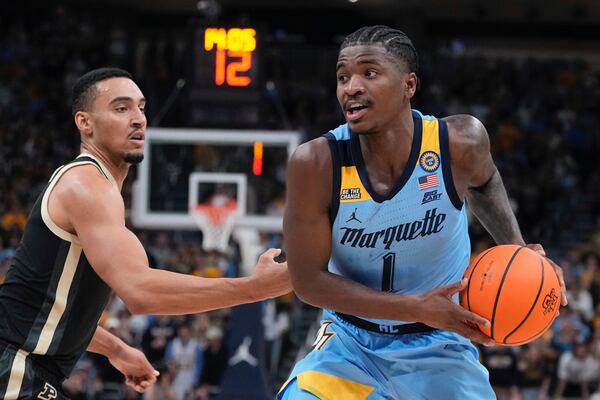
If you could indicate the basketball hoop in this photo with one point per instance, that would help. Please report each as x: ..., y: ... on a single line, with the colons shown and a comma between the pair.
x: 216, y: 219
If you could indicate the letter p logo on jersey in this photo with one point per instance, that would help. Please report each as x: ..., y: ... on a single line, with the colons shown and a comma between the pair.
x: 48, y: 393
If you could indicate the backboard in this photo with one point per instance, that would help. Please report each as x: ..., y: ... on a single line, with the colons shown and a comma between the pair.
x: 162, y: 194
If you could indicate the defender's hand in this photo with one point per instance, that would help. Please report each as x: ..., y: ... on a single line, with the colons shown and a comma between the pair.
x: 436, y: 309
x: 271, y: 278
x: 540, y: 250
x: 138, y: 371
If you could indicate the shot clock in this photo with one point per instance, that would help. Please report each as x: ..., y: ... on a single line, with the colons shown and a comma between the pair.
x: 233, y: 54
x: 227, y: 57
x: 225, y: 88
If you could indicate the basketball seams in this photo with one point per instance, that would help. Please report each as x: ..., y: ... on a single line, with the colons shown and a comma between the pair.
x: 543, y: 329
x: 533, y: 304
x: 480, y: 257
x: 537, y: 335
x: 499, y: 291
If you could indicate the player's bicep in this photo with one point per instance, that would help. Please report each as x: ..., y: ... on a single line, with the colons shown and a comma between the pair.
x: 306, y: 223
x: 113, y: 251
x: 482, y: 164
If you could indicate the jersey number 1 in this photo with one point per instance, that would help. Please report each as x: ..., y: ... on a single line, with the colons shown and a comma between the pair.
x: 387, y: 279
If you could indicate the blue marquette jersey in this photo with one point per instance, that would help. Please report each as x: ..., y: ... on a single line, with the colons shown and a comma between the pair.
x: 410, y: 241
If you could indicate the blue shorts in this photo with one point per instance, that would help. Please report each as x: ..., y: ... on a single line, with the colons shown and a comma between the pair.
x: 351, y: 363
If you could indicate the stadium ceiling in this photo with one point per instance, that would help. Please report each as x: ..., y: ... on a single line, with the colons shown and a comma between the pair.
x: 577, y: 11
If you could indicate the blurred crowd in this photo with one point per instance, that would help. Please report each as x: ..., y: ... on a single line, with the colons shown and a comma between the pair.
x: 544, y: 124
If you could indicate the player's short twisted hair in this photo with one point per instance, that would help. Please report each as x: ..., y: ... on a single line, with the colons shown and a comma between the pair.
x: 394, y: 41
x: 84, y: 90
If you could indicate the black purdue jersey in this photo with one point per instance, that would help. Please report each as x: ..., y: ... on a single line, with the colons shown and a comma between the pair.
x: 51, y: 299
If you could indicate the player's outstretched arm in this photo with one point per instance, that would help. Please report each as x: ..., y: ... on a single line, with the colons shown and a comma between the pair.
x: 307, y: 233
x: 478, y: 179
x: 95, y: 211
x: 139, y: 373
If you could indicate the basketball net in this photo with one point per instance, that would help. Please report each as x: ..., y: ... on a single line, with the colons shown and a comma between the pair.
x: 216, y: 219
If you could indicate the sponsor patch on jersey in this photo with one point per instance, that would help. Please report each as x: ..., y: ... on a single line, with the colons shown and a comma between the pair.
x: 431, y: 196
x: 350, y: 194
x: 430, y: 161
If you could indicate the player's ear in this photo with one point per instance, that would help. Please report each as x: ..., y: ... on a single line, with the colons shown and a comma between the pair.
x: 411, y: 85
x: 83, y: 122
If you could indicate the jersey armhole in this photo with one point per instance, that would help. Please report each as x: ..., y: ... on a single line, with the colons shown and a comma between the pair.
x: 45, y: 212
x: 336, y: 176
x: 447, y: 166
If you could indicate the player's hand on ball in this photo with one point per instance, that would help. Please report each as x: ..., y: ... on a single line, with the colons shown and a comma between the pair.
x: 271, y: 278
x: 437, y: 310
x: 540, y: 250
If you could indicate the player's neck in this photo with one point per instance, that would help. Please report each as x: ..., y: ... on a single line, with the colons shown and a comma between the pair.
x: 118, y: 169
x: 391, y: 143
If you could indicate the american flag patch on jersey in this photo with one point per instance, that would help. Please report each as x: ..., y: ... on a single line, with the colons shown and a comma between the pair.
x: 428, y: 181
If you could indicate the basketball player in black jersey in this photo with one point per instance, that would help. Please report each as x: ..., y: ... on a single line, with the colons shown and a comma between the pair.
x: 76, y: 248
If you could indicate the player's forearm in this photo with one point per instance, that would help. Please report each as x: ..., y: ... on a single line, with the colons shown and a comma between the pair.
x: 331, y: 291
x: 164, y: 292
x: 105, y: 343
x: 491, y: 206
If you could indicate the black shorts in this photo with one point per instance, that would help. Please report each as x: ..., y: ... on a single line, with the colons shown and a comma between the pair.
x: 20, y: 378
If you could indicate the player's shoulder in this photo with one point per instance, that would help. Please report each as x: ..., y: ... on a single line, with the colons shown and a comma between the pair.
x: 85, y: 184
x: 312, y: 153
x: 465, y: 130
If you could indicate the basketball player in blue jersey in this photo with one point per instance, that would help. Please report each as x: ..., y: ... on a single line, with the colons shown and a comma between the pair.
x: 376, y: 234
x: 76, y: 248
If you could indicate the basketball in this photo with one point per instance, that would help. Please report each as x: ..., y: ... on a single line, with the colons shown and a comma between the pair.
x: 514, y: 288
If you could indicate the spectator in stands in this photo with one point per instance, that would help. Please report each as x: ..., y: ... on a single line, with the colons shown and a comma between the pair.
x: 276, y: 321
x: 535, y: 369
x: 163, y: 390
x: 568, y: 329
x: 77, y: 384
x: 184, y: 355
x: 535, y: 103
x: 577, y: 368
x: 215, y: 360
x: 501, y: 363
x: 161, y: 330
x: 580, y: 300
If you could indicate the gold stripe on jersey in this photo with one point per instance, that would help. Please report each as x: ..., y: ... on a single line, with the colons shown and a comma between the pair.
x: 431, y: 137
x: 60, y: 300
x: 331, y: 387
x: 17, y: 373
x: 351, y: 188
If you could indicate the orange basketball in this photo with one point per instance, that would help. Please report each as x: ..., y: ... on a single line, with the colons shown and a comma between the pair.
x: 515, y: 289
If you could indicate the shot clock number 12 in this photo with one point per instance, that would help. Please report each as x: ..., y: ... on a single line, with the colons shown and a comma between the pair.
x: 234, y: 48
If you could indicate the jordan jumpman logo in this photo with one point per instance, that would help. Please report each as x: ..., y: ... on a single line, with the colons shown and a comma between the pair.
x: 353, y: 217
